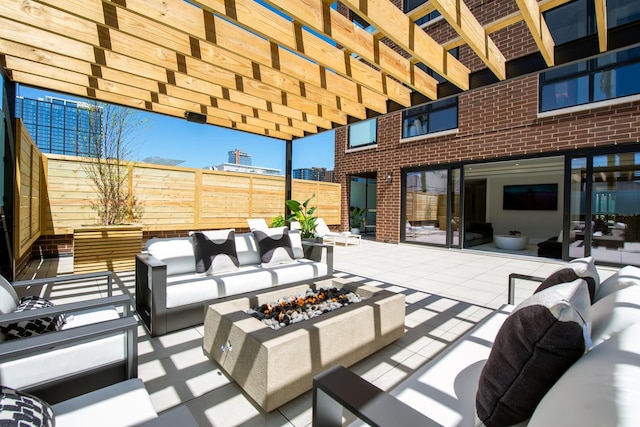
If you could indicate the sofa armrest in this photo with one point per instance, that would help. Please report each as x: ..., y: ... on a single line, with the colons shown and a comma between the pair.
x: 123, y: 301
x: 69, y: 278
x: 511, y: 294
x: 319, y: 252
x: 151, y: 293
x: 339, y: 388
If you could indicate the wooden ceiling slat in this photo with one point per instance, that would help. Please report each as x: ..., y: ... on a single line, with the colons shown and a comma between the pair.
x: 10, y: 30
x: 395, y: 25
x: 47, y: 71
x: 601, y: 23
x: 317, y: 15
x: 464, y: 23
x: 129, y: 45
x: 240, y: 49
x: 122, y: 89
x: 135, y: 66
x: 280, y: 30
x: 538, y: 28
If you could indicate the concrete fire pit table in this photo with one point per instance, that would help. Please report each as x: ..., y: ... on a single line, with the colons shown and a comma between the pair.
x: 275, y: 366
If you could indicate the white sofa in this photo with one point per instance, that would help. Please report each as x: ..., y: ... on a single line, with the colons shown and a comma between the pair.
x: 601, y: 388
x: 170, y: 295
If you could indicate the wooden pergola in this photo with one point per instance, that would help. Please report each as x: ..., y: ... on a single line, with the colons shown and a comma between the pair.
x: 278, y: 68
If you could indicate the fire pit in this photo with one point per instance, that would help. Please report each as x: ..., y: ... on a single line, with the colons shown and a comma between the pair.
x: 301, y: 307
x: 275, y: 366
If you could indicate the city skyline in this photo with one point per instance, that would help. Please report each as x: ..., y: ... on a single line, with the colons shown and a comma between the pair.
x: 199, y: 146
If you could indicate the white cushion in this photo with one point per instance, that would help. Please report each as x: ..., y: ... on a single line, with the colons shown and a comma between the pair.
x: 8, y: 297
x: 177, y: 253
x: 625, y: 277
x: 247, y: 249
x: 191, y: 289
x: 62, y: 362
x: 444, y: 389
x: 122, y: 404
x: 600, y: 389
x: 615, y: 312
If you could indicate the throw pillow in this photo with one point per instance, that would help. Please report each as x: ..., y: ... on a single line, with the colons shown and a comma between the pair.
x: 215, y: 251
x: 581, y: 268
x: 600, y: 389
x: 275, y: 246
x: 536, y: 344
x: 625, y: 277
x: 8, y: 297
x: 27, y: 328
x: 24, y: 410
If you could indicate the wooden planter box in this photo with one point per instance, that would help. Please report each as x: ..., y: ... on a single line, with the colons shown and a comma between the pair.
x: 107, y: 247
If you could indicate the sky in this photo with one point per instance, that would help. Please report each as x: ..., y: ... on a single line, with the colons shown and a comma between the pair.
x: 200, y: 145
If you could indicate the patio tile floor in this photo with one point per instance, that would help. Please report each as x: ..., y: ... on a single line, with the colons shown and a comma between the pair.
x: 447, y: 293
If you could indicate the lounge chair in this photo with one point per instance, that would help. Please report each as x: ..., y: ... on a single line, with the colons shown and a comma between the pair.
x: 331, y: 237
x: 257, y: 224
x: 95, y: 347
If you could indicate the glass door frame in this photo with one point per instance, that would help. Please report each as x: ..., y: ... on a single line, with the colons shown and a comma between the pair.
x: 451, y: 170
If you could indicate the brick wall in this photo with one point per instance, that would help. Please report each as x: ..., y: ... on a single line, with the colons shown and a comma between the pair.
x: 497, y: 122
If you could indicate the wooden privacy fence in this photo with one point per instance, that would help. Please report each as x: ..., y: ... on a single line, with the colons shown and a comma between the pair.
x: 175, y: 198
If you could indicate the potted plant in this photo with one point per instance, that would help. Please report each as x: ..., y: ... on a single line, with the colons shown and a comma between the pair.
x: 356, y: 216
x: 113, y: 241
x: 303, y: 214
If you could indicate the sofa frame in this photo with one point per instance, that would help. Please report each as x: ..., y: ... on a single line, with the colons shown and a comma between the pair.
x: 151, y: 301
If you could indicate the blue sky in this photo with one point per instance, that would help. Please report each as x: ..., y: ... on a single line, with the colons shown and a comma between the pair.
x: 205, y: 145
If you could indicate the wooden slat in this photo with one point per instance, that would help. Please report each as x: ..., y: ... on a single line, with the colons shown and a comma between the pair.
x: 538, y: 28
x: 464, y: 23
x: 278, y: 29
x: 321, y: 18
x: 240, y: 46
x: 601, y: 23
x: 395, y: 25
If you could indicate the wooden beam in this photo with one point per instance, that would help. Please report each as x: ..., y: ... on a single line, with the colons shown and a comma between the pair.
x: 601, y: 23
x: 467, y: 26
x: 224, y: 45
x: 318, y: 16
x: 279, y: 30
x: 538, y: 28
x: 395, y: 25
x: 129, y: 45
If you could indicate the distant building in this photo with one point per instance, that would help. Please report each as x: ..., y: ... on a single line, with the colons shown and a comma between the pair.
x: 233, y: 167
x: 60, y: 126
x: 239, y: 157
x: 311, y: 174
x: 162, y: 161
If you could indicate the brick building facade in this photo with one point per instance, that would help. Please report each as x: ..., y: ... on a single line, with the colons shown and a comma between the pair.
x: 500, y: 122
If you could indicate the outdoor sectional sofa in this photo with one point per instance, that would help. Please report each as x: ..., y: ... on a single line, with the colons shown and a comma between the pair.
x: 171, y: 294
x: 568, y: 355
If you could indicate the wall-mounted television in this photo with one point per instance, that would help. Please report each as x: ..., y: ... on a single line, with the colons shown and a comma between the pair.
x: 530, y: 197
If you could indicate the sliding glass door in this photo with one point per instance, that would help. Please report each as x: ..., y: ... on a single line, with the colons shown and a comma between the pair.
x: 431, y: 206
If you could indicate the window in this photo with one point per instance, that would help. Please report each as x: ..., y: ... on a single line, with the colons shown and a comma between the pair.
x: 412, y: 4
x: 362, y: 134
x: 430, y: 118
x: 608, y: 76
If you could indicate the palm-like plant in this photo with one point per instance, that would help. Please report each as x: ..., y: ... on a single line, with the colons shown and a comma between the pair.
x: 302, y: 213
